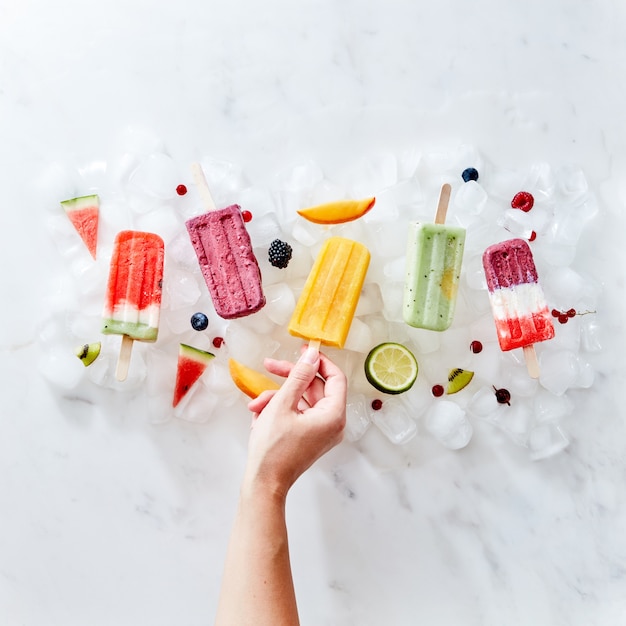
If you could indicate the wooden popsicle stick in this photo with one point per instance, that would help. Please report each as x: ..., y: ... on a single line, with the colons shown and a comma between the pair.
x: 123, y: 360
x: 442, y: 207
x: 203, y: 187
x: 532, y: 364
x: 315, y: 344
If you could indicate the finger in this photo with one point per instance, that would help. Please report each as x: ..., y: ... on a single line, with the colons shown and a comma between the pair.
x: 300, y: 378
x: 256, y: 405
x: 280, y: 368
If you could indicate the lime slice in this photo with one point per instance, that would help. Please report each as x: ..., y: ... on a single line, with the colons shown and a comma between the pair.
x: 391, y: 368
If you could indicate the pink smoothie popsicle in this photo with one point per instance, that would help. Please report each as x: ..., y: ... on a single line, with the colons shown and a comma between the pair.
x: 226, y: 258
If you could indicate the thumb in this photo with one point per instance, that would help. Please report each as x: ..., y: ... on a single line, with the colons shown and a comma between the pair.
x: 300, y: 377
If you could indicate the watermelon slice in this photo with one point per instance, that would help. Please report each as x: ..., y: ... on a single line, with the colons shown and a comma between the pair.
x: 191, y: 364
x: 84, y: 213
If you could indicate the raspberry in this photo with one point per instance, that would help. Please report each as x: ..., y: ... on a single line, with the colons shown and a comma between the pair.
x: 279, y: 253
x: 523, y: 201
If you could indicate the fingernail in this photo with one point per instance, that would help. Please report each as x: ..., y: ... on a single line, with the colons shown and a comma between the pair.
x: 310, y: 356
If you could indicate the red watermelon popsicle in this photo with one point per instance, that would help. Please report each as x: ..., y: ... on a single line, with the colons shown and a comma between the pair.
x: 84, y: 213
x: 133, y: 298
x: 519, y: 307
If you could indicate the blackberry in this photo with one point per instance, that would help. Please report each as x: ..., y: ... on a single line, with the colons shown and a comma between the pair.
x: 279, y: 253
x: 471, y: 173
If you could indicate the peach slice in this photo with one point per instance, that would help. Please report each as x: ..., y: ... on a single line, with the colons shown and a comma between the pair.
x: 251, y: 382
x: 337, y: 212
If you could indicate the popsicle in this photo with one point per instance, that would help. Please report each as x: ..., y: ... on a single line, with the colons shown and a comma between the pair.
x: 133, y: 297
x: 518, y: 305
x: 433, y: 269
x: 326, y: 306
x: 225, y: 256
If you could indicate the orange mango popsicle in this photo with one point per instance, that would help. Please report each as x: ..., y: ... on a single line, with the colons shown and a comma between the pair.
x: 327, y: 303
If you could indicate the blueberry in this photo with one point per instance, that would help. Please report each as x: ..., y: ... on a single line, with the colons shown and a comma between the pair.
x: 471, y: 173
x: 199, y: 321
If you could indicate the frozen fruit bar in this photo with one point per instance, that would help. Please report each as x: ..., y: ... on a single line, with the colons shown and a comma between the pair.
x: 227, y: 261
x: 133, y: 297
x: 327, y: 303
x: 519, y: 308
x: 433, y: 270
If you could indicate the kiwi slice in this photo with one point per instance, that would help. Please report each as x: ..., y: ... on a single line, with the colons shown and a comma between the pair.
x: 88, y: 352
x: 458, y: 379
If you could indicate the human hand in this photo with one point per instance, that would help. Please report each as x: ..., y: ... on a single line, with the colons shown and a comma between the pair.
x: 295, y: 425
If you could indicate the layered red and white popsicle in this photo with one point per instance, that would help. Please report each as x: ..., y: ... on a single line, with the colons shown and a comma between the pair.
x: 133, y: 298
x: 227, y: 261
x: 517, y: 301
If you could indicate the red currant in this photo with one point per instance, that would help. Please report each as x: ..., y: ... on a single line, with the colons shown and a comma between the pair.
x: 523, y: 201
x: 555, y: 312
x: 247, y: 216
x: 533, y: 236
x: 217, y: 342
x: 503, y: 396
x: 181, y: 190
x: 571, y: 313
x: 476, y: 347
x: 563, y: 317
x: 437, y: 391
x: 377, y: 404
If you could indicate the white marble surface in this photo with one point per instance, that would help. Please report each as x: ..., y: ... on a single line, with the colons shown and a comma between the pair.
x: 109, y: 519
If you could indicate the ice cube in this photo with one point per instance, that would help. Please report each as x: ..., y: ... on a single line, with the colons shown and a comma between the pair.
x: 202, y: 404
x: 157, y: 175
x: 570, y: 220
x: 370, y: 301
x: 225, y: 179
x: 515, y: 420
x: 61, y: 368
x: 246, y: 345
x: 307, y: 233
x: 591, y: 334
x: 484, y: 405
x: 540, y: 180
x: 164, y: 221
x: 447, y: 423
x: 374, y: 173
x: 357, y: 417
x: 264, y: 229
x: 94, y: 175
x: 359, y: 337
x: 560, y: 370
x: 548, y: 407
x: 218, y: 381
x: 395, y: 269
x: 546, y: 440
x: 392, y: 294
x: 300, y: 178
x: 475, y: 273
x: 426, y: 341
x: 280, y: 303
x: 469, y: 201
x: 258, y: 201
x: 394, y: 421
x: 572, y: 181
x: 564, y: 287
x: 181, y: 289
x: 518, y: 223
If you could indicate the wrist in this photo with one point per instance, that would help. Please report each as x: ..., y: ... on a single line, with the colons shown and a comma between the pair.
x: 255, y: 488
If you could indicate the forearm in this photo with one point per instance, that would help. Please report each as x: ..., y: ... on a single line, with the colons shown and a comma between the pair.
x: 257, y: 587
